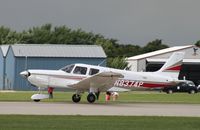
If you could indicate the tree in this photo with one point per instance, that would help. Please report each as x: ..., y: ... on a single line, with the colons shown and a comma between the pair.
x: 46, y: 33
x: 37, y: 35
x: 117, y: 62
x: 154, y: 45
x: 7, y: 36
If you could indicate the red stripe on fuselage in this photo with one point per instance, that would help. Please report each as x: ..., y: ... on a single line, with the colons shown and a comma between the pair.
x: 156, y: 85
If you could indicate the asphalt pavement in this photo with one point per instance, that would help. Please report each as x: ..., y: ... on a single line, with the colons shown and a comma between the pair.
x: 120, y: 109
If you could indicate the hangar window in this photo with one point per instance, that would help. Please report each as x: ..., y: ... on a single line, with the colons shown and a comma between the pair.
x: 93, y: 71
x: 68, y: 68
x: 80, y: 70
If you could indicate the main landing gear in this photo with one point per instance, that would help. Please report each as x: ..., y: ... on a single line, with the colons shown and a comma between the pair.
x: 76, y: 98
x: 91, y: 98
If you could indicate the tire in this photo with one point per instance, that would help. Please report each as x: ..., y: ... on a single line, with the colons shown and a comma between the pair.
x: 192, y: 91
x: 91, y: 98
x: 36, y: 100
x: 76, y: 98
x: 169, y: 91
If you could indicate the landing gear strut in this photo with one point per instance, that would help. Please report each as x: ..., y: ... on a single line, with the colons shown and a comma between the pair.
x: 76, y: 98
x: 39, y: 96
x: 91, y: 98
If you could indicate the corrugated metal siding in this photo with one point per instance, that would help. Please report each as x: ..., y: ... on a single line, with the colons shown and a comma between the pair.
x: 1, y: 70
x: 9, y: 70
x: 49, y: 50
x: 45, y: 63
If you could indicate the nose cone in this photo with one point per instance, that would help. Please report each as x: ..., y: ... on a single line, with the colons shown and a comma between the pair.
x: 25, y: 74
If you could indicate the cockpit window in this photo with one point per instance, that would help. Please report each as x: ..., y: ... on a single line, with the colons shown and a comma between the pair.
x: 93, y: 71
x: 80, y: 70
x: 68, y: 68
x: 191, y: 84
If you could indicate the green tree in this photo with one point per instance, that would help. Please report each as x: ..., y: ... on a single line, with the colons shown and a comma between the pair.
x: 154, y: 45
x: 8, y: 37
x: 46, y: 33
x: 117, y: 62
x: 37, y: 35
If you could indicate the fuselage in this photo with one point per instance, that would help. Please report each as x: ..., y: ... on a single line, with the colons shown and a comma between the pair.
x: 68, y: 76
x: 96, y: 79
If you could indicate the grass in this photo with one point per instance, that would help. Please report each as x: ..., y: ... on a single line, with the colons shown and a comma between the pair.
x: 40, y: 122
x: 125, y: 97
x: 30, y: 122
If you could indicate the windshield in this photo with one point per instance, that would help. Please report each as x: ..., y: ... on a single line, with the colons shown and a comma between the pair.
x: 191, y: 84
x: 68, y: 68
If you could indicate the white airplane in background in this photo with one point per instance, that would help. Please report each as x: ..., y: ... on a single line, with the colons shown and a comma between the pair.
x: 96, y: 79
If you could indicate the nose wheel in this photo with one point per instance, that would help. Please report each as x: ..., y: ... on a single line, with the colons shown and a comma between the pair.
x: 91, y: 98
x: 39, y: 96
x: 36, y: 100
x: 76, y: 98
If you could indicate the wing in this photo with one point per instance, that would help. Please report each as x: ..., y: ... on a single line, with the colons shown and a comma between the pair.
x: 103, y: 81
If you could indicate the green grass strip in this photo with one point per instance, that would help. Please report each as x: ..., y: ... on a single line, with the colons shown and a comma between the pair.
x: 30, y: 122
x: 125, y: 97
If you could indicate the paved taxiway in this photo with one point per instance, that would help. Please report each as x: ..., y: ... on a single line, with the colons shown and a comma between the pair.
x: 135, y: 109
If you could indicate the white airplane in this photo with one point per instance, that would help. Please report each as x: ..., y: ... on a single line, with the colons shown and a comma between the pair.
x: 96, y: 79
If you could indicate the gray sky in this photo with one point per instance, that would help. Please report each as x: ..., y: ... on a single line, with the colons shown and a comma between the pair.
x: 176, y: 22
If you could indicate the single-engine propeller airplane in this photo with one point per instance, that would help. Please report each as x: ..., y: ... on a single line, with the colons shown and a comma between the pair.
x: 95, y: 79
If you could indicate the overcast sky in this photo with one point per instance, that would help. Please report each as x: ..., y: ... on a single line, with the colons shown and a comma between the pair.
x: 176, y: 22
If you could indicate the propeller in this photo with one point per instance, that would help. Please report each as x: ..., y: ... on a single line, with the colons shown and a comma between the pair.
x: 25, y: 73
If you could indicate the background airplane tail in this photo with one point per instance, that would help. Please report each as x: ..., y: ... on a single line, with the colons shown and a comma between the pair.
x: 173, y: 65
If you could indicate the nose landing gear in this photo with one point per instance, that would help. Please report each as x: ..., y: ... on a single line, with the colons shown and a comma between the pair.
x: 40, y: 96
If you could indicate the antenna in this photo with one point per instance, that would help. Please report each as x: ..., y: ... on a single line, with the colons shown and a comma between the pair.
x: 102, y: 62
x: 26, y: 67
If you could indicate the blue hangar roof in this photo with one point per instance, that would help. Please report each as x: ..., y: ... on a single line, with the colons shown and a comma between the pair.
x: 52, y: 50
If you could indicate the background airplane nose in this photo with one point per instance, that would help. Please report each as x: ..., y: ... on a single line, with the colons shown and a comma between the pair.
x: 25, y: 74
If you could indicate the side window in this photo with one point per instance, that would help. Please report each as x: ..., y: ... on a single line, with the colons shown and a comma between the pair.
x: 80, y: 70
x: 93, y: 71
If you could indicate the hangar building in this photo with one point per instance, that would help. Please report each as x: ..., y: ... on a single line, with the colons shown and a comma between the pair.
x: 153, y: 61
x: 45, y: 56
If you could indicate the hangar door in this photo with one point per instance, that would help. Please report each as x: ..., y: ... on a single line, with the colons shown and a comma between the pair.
x: 189, y: 70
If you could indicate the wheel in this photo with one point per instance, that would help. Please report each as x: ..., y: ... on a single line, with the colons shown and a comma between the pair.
x: 76, y: 98
x: 192, y: 91
x: 169, y: 91
x: 91, y: 98
x: 36, y: 100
